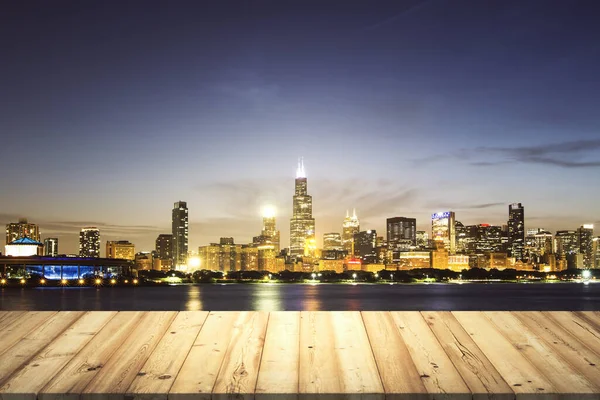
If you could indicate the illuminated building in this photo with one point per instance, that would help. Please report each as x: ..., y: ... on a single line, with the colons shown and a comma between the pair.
x: 89, y: 242
x: 458, y: 262
x: 566, y: 244
x: 302, y: 223
x: 488, y: 238
x: 249, y: 258
x: 180, y: 234
x: 269, y: 229
x: 352, y: 264
x: 164, y: 251
x: 209, y: 257
x: 586, y: 244
x: 24, y: 247
x: 463, y: 237
x: 332, y: 241
x: 401, y: 233
x: 51, y: 247
x: 596, y: 251
x: 121, y: 249
x: 17, y: 230
x: 516, y: 230
x: 336, y: 265
x: 439, y: 255
x: 443, y: 230
x: 143, y: 260
x: 72, y: 268
x: 414, y: 259
x: 350, y: 227
x: 224, y: 256
x: 365, y: 246
x: 422, y: 239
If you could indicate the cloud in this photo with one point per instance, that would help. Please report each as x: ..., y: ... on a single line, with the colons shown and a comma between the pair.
x: 390, y: 20
x: 565, y: 155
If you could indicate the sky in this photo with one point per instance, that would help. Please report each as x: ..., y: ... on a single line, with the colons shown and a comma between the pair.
x: 112, y: 111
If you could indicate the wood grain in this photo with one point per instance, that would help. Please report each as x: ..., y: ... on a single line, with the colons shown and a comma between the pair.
x: 438, y: 374
x: 564, y: 378
x: 77, y: 374
x: 563, y: 343
x: 278, y: 371
x: 398, y: 372
x: 34, y: 375
x: 477, y: 371
x: 34, y: 341
x: 239, y: 371
x: 121, y: 369
x: 580, y: 328
x: 158, y: 373
x: 522, y: 376
x: 199, y: 371
x: 336, y: 358
x: 18, y: 324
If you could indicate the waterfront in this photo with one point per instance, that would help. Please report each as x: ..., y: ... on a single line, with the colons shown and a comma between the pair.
x: 311, y: 297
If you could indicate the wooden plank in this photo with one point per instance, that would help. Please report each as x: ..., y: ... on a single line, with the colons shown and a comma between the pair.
x: 477, y: 371
x: 591, y: 317
x: 580, y: 328
x: 32, y: 342
x: 199, y: 371
x: 78, y: 373
x: 563, y: 377
x: 19, y: 324
x: 336, y: 357
x: 523, y: 378
x: 563, y: 343
x: 158, y: 374
x: 121, y: 369
x: 278, y: 371
x: 398, y: 372
x: 438, y: 374
x: 28, y: 381
x: 6, y: 314
x: 239, y: 371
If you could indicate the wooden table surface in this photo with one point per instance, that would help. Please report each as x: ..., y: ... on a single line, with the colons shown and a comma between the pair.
x: 242, y: 355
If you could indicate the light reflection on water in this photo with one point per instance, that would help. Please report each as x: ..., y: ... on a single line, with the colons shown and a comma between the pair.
x: 319, y: 297
x: 194, y: 301
x: 268, y: 298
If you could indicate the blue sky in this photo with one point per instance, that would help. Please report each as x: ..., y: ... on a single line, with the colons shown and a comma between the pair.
x: 112, y: 112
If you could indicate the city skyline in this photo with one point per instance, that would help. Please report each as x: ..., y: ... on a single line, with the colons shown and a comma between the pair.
x: 402, y: 108
x: 269, y: 211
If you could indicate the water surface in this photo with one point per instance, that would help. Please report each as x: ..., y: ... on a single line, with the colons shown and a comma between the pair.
x: 311, y: 297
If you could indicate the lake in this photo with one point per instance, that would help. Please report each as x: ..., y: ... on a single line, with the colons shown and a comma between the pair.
x: 311, y: 297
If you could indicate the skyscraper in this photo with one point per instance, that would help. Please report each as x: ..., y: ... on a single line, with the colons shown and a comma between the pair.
x: 180, y: 234
x: 51, y: 247
x: 586, y: 244
x: 164, y: 246
x: 332, y: 241
x: 516, y: 231
x: 443, y: 229
x: 269, y: 230
x: 89, y: 242
x: 121, y: 249
x: 401, y: 233
x: 302, y: 223
x: 365, y: 246
x: 596, y: 251
x: 21, y: 229
x: 350, y: 227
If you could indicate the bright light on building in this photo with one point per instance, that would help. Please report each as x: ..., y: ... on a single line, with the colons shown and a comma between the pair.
x: 269, y: 211
x: 193, y: 262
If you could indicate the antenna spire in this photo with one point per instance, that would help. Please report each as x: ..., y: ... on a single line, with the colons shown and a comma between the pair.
x: 300, y: 173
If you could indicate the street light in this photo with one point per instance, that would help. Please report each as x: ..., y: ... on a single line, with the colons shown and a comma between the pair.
x: 354, y: 276
x: 314, y: 276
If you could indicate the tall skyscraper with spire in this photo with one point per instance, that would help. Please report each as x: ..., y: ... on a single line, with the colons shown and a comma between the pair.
x: 302, y: 224
x: 350, y: 227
